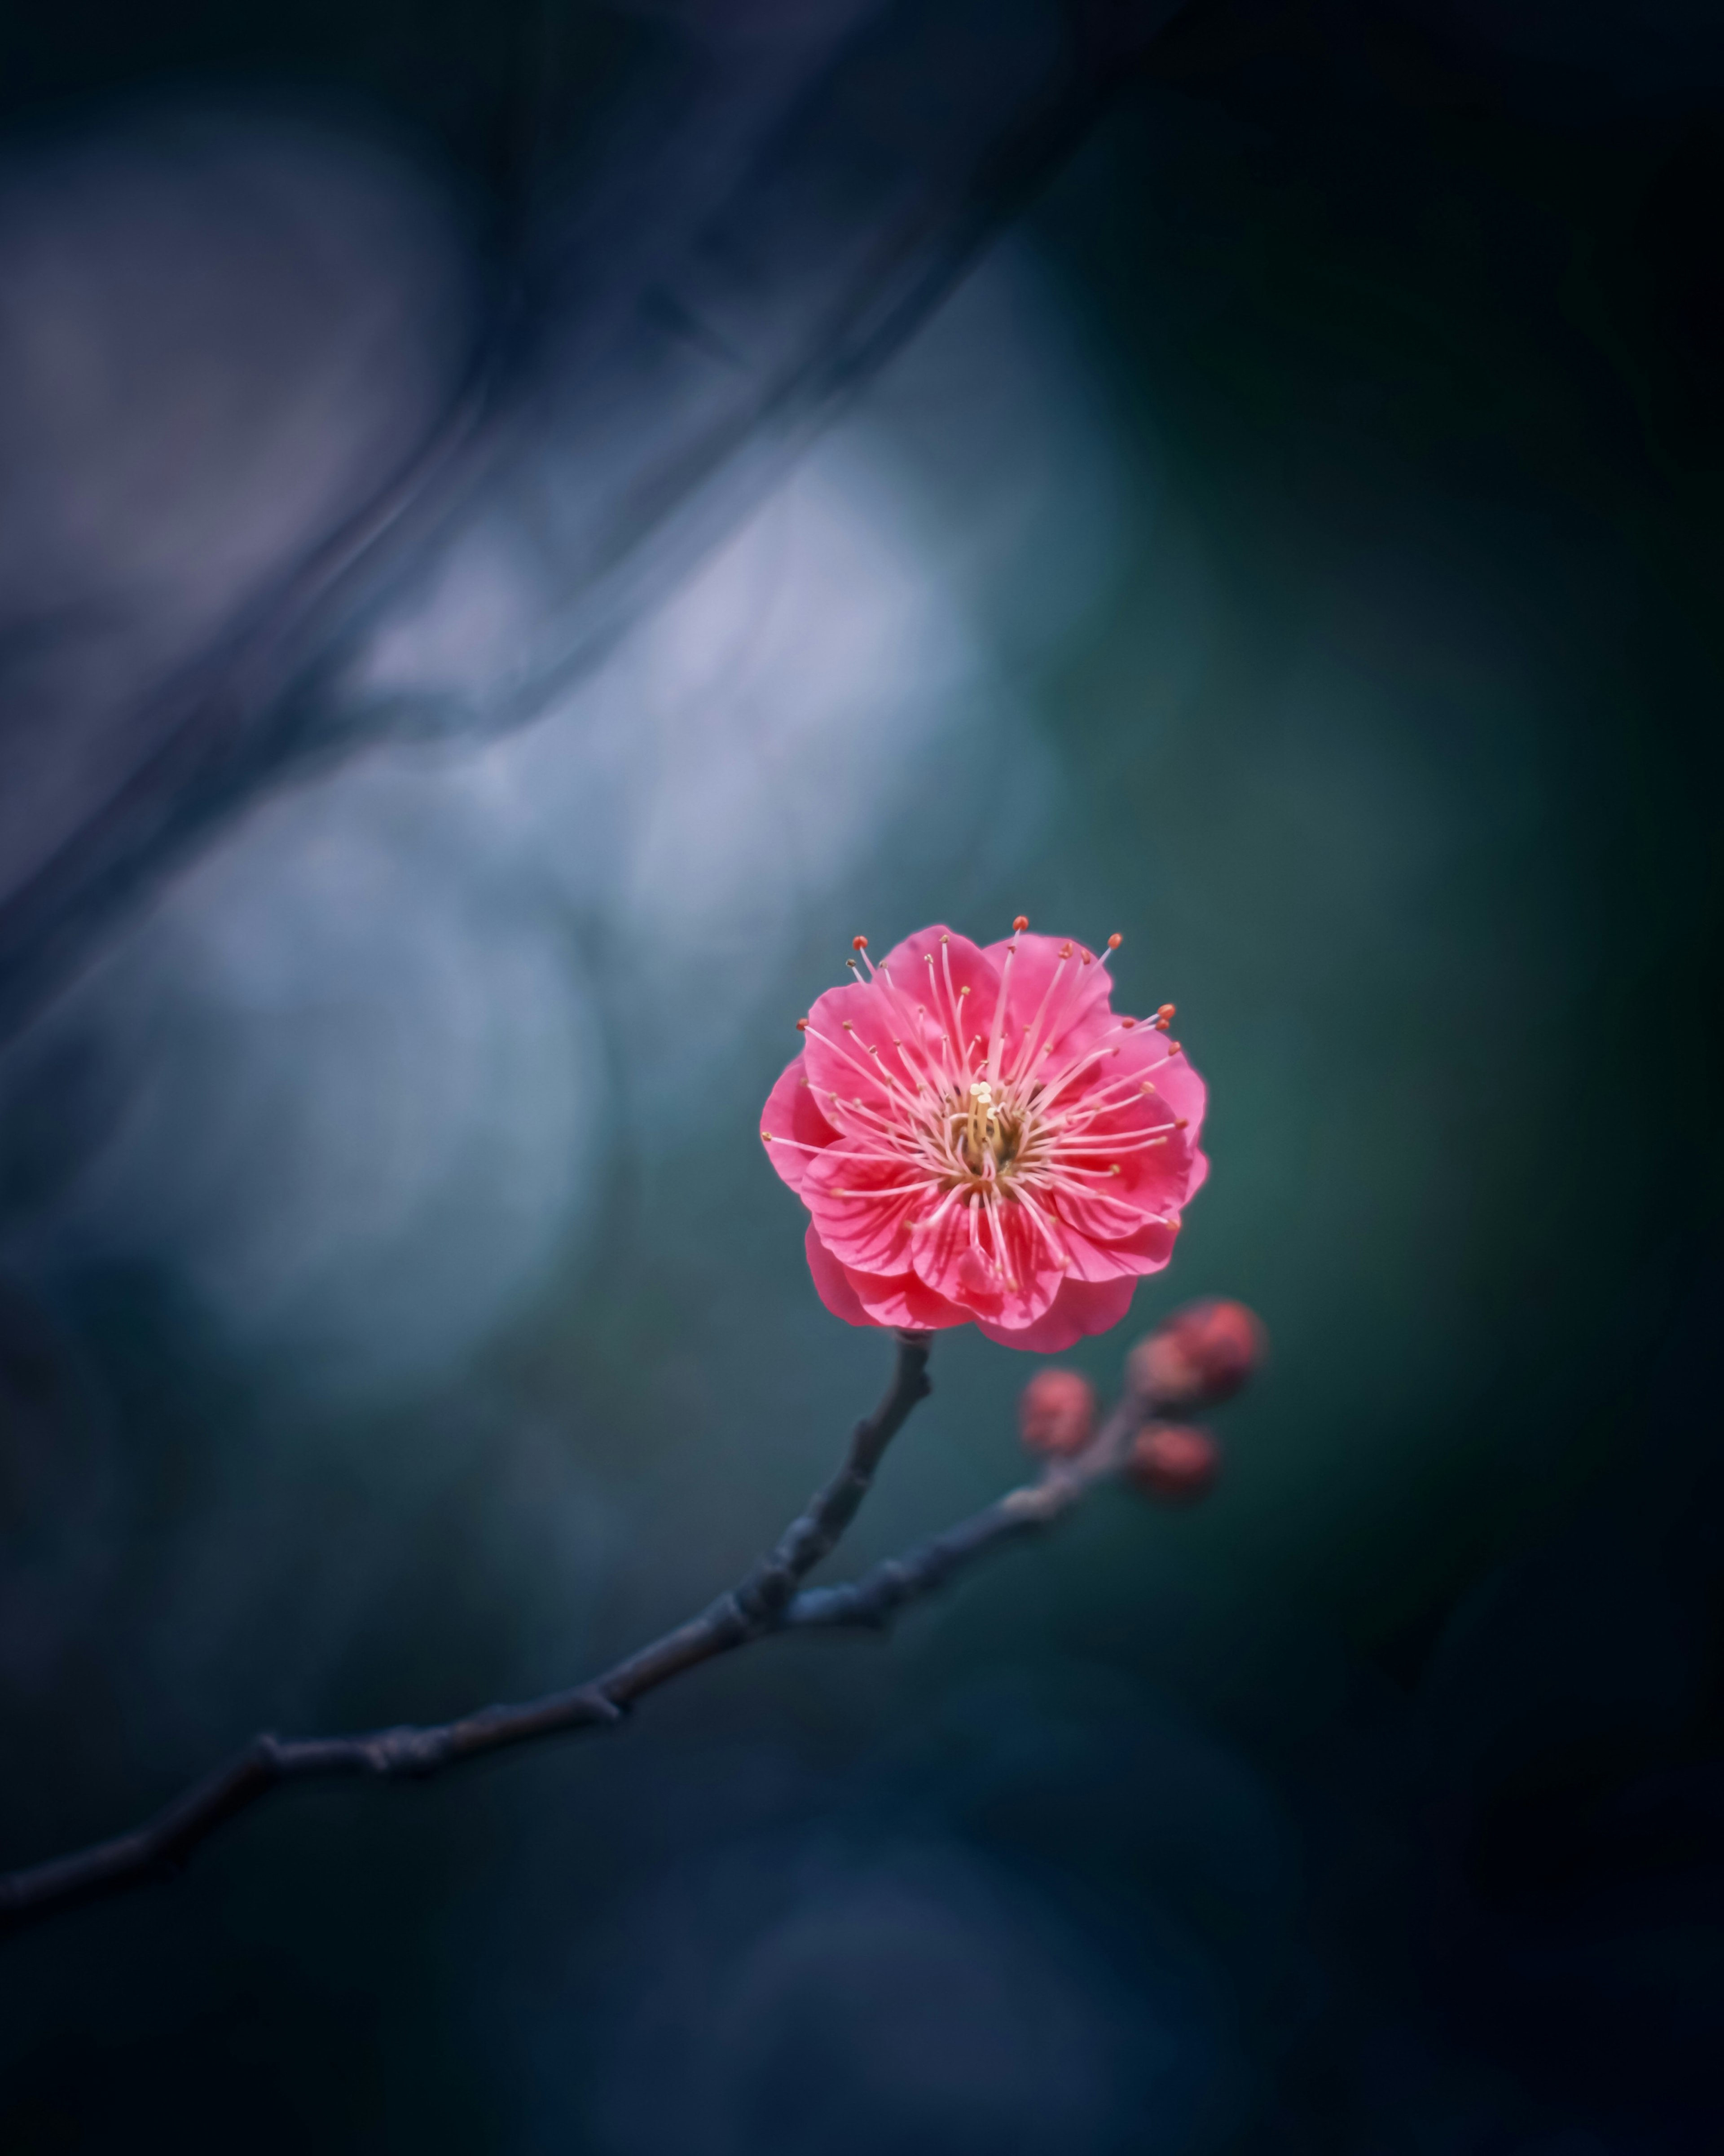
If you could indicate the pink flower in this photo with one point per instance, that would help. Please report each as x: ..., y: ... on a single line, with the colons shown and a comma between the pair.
x: 977, y: 1137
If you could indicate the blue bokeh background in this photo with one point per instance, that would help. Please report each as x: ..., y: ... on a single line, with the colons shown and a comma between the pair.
x: 1293, y: 543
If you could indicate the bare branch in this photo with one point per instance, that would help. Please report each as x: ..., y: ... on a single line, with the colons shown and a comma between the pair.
x: 160, y: 1848
x: 767, y: 1600
x: 873, y: 1601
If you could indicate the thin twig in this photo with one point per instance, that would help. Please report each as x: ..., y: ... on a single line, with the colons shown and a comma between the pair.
x: 872, y: 1602
x: 766, y: 1601
x: 162, y: 1846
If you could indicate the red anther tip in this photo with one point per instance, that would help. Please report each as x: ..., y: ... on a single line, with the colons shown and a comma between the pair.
x: 1066, y: 950
x: 859, y: 942
x: 802, y: 1026
x: 1181, y: 1123
x: 1020, y: 924
x: 1128, y: 1023
x: 1160, y: 1026
x: 1115, y: 942
x: 1174, y: 1049
x: 1166, y: 1011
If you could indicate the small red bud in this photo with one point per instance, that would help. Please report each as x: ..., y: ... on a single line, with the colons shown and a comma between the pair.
x: 1201, y: 1354
x: 1056, y: 1412
x: 1176, y: 1463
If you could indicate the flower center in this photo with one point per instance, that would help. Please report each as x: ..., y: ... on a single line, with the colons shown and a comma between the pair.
x: 986, y: 1132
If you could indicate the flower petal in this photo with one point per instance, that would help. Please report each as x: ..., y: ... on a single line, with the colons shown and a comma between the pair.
x: 862, y: 1209
x: 792, y: 1115
x: 1012, y: 1282
x: 953, y: 985
x: 849, y: 1049
x: 868, y: 1299
x: 906, y: 1301
x: 1079, y: 1308
x: 1063, y: 1000
x: 832, y: 1283
x: 1145, y: 1249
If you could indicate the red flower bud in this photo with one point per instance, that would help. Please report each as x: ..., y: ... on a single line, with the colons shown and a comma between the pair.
x: 1174, y: 1462
x: 1056, y: 1413
x: 1201, y: 1354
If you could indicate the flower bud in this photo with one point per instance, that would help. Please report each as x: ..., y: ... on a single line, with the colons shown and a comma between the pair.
x: 1201, y: 1354
x: 1176, y: 1463
x: 1056, y: 1413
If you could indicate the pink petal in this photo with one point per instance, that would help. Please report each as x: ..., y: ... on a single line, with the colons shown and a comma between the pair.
x: 1146, y: 1249
x: 1184, y: 1092
x: 791, y: 1115
x: 914, y: 982
x: 866, y: 1299
x: 1153, y: 1181
x: 831, y: 1284
x: 905, y: 1300
x: 1015, y: 1294
x: 862, y: 1209
x: 1081, y: 1307
x: 844, y: 1025
x: 1077, y: 1013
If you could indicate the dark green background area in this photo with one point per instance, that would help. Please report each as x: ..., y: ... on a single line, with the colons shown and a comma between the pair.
x: 1376, y: 1806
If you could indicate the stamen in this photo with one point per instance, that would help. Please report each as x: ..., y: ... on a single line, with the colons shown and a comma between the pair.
x: 995, y: 1046
x: 876, y: 1077
x: 944, y: 1038
x: 1058, y: 1019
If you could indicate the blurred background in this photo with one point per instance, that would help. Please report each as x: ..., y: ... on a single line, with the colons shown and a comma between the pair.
x: 524, y: 528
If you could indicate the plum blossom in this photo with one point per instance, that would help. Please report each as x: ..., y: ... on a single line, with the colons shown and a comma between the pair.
x: 979, y: 1139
